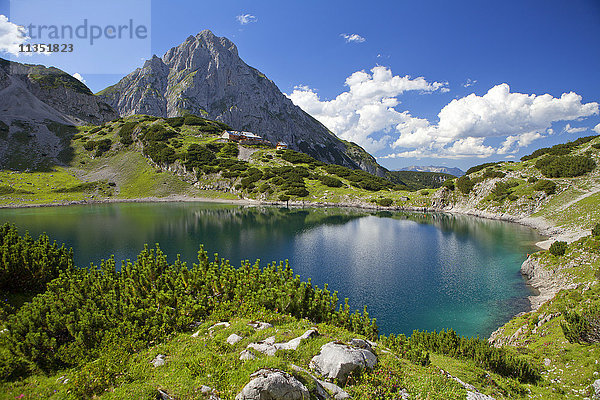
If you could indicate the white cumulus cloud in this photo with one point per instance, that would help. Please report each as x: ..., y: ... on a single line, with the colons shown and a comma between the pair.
x: 465, y: 123
x: 11, y: 36
x: 597, y: 129
x: 572, y: 129
x: 368, y: 106
x: 369, y: 113
x: 353, y: 38
x: 245, y: 19
x: 78, y: 76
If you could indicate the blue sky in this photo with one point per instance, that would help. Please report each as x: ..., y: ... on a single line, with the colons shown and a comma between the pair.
x: 493, y: 74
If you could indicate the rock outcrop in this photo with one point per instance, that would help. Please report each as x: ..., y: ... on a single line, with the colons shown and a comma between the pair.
x: 338, y: 360
x: 269, y: 347
x: 205, y: 76
x: 38, y: 108
x: 273, y: 384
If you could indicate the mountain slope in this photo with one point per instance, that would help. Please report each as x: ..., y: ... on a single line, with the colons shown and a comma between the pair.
x: 205, y: 76
x: 38, y: 107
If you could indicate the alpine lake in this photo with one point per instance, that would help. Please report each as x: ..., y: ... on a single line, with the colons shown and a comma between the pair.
x: 421, y: 271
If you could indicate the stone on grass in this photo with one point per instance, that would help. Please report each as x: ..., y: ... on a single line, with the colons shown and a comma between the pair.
x: 273, y: 384
x: 247, y: 355
x: 233, y: 339
x: 337, y: 360
x: 264, y: 346
x: 259, y: 325
x: 294, y: 343
x: 596, y: 388
x: 158, y: 360
x: 478, y: 396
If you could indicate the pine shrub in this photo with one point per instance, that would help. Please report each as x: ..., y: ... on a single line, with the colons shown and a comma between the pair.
x: 558, y: 248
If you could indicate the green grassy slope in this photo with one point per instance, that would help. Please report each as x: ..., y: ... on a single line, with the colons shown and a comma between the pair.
x: 142, y: 156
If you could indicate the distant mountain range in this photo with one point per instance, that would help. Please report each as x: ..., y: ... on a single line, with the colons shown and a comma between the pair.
x: 433, y: 168
x: 205, y: 76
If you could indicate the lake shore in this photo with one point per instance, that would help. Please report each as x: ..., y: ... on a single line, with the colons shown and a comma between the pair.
x: 544, y: 284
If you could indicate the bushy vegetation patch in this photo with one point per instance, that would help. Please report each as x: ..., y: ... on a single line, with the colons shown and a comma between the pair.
x: 465, y: 184
x: 5, y: 189
x: 561, y: 149
x: 101, y: 146
x: 582, y: 327
x: 544, y: 185
x: 565, y: 166
x: 27, y: 265
x: 478, y: 168
x: 558, y: 248
x: 503, y: 190
x: 499, y: 360
x: 83, y: 312
x: 330, y: 181
x: 126, y: 133
x: 449, y: 184
x: 596, y: 229
x: 82, y: 187
x: 491, y: 173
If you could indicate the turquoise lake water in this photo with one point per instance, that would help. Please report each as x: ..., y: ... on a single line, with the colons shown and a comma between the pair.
x: 412, y: 270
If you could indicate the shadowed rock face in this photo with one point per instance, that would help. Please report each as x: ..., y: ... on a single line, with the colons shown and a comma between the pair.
x: 205, y: 76
x: 38, y: 108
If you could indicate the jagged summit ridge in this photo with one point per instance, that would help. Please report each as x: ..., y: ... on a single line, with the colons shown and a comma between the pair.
x: 205, y: 76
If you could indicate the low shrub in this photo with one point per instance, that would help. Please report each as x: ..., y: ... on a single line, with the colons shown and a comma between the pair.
x: 330, y: 181
x: 596, y: 230
x: 449, y: 184
x: 544, y: 185
x: 582, y: 327
x: 465, y: 184
x: 558, y: 248
x: 565, y: 166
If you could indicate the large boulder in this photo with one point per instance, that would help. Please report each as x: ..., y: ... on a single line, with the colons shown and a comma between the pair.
x: 273, y: 384
x: 337, y: 360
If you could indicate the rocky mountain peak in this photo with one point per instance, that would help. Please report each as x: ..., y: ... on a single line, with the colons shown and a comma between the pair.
x: 205, y: 76
x: 202, y: 51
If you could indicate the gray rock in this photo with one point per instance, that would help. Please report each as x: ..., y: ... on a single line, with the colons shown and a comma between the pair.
x: 259, y: 326
x: 164, y: 395
x: 158, y: 360
x: 205, y: 76
x: 596, y: 388
x: 273, y: 384
x: 322, y: 388
x: 337, y: 392
x: 233, y: 339
x: 218, y: 325
x: 269, y: 347
x: 478, y: 396
x: 337, y: 360
x: 246, y: 355
x: 205, y: 389
x: 361, y: 344
x: 294, y: 343
x: 264, y: 346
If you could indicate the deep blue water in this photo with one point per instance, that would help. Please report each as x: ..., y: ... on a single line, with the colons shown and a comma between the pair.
x: 413, y: 271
